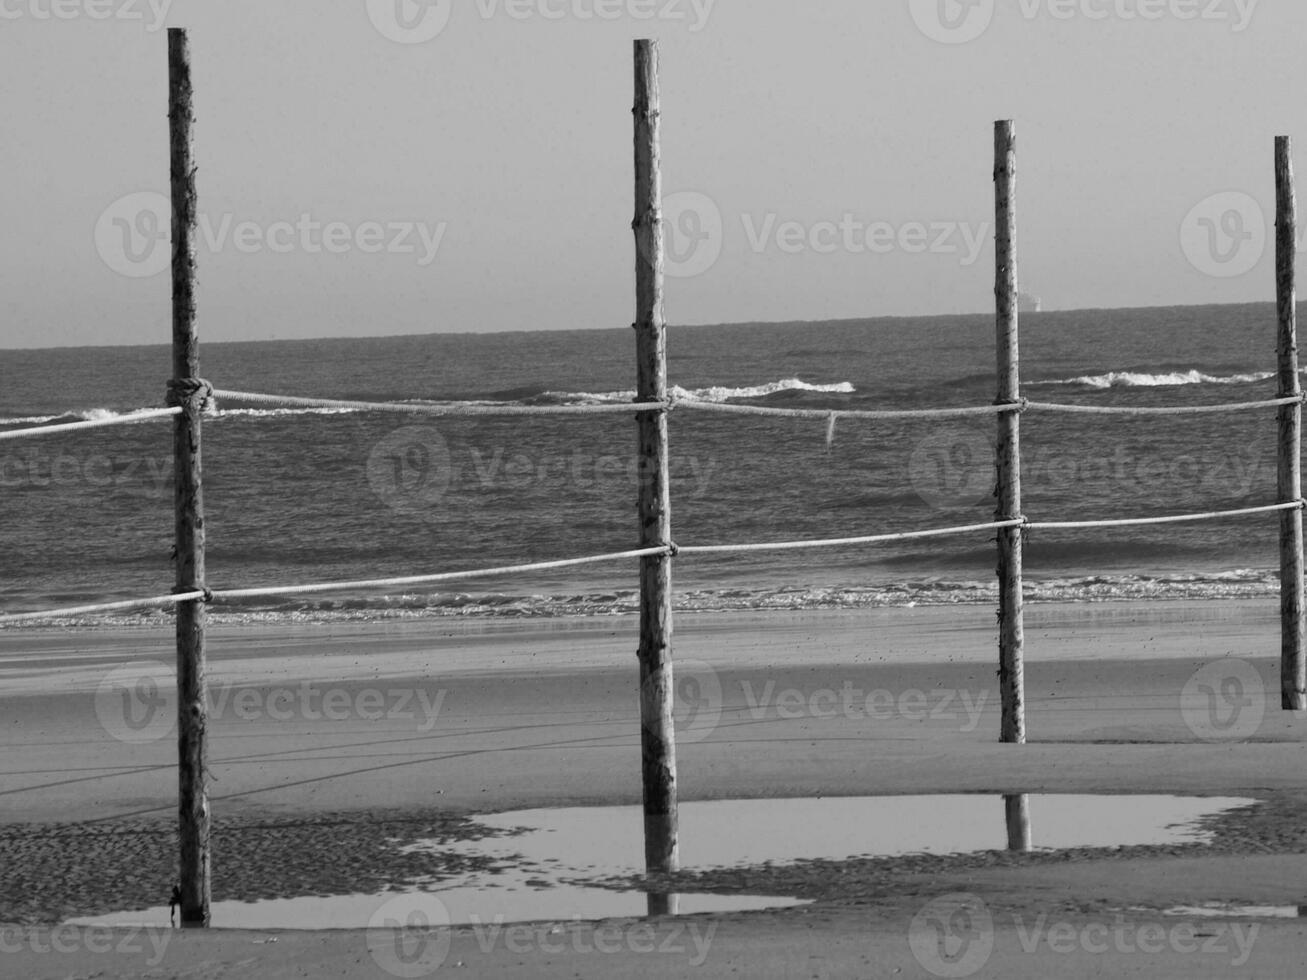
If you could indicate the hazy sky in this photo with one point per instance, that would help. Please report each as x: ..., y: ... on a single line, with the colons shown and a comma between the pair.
x: 386, y: 166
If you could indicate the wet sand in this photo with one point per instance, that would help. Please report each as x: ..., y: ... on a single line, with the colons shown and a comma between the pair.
x: 327, y: 740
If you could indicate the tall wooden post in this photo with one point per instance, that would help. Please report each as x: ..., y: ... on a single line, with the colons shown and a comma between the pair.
x: 187, y: 391
x: 1011, y: 633
x: 657, y: 738
x: 1293, y: 661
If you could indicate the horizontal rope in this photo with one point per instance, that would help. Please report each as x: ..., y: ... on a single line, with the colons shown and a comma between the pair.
x: 720, y: 549
x: 620, y: 555
x: 827, y: 413
x: 439, y: 577
x: 1175, y: 519
x: 410, y: 408
x: 1175, y: 410
x: 45, y: 430
x: 161, y: 600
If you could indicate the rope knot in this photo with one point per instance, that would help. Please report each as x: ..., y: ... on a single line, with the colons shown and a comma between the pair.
x: 192, y: 395
x: 673, y: 549
x: 184, y: 589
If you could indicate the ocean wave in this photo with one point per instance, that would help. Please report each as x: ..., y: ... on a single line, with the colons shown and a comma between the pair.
x: 1235, y: 584
x: 715, y: 393
x: 1143, y: 379
x: 711, y: 394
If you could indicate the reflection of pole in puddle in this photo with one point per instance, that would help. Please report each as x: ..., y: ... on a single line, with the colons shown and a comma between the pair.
x: 1017, y: 810
x: 660, y: 857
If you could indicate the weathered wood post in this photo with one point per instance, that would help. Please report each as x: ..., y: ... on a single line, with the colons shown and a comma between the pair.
x: 1011, y: 633
x: 1016, y: 813
x: 1293, y: 661
x: 189, y: 392
x: 657, y: 738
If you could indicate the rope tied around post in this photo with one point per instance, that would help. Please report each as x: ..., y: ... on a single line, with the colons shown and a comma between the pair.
x: 206, y: 593
x: 194, y: 396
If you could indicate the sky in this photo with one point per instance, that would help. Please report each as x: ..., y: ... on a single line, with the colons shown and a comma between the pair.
x: 379, y: 167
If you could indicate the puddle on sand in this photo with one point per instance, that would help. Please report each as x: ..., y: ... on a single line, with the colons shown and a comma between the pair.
x: 590, y: 842
x: 1218, y: 910
x: 541, y: 870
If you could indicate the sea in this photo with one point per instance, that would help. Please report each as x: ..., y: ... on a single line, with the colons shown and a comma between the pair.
x: 310, y: 495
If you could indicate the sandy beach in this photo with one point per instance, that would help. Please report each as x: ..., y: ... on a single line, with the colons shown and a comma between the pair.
x: 329, y: 743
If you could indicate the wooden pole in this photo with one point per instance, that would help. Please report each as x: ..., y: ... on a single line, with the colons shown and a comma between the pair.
x: 657, y: 738
x: 1016, y: 812
x: 1011, y: 634
x: 1293, y: 661
x: 186, y: 390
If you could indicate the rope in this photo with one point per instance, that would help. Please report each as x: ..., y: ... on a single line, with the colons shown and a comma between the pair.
x: 1180, y: 410
x: 441, y: 577
x: 671, y: 550
x: 161, y: 600
x: 721, y: 549
x: 411, y: 408
x: 153, y: 413
x: 826, y: 413
x: 1174, y: 519
x: 192, y: 395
